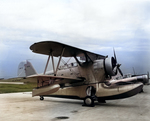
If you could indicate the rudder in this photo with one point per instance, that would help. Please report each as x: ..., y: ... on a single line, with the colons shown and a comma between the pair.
x: 25, y: 69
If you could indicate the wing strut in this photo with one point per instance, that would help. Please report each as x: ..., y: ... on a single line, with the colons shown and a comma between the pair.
x: 53, y: 63
x: 77, y: 60
x: 51, y: 54
x: 47, y: 63
x: 59, y: 60
x: 87, y: 57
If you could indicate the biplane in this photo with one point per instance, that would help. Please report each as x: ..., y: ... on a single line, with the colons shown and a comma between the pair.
x: 89, y: 78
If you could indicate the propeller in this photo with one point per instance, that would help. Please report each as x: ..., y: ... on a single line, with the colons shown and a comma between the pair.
x: 116, y: 65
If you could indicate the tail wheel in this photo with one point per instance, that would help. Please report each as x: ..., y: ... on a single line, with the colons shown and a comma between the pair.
x: 89, y: 101
x: 41, y: 98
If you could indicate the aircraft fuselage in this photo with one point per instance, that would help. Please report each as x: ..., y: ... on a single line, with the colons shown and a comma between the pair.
x: 94, y: 77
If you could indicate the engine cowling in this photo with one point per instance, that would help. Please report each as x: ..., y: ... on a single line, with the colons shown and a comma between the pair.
x: 110, y: 65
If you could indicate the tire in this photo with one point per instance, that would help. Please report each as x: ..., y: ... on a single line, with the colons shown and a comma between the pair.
x: 89, y: 101
x: 41, y: 98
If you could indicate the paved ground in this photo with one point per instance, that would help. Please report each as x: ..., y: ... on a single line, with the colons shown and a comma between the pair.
x: 22, y: 107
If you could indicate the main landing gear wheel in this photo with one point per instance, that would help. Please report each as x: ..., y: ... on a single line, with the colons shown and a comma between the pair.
x: 41, y: 98
x: 89, y: 101
x: 90, y: 98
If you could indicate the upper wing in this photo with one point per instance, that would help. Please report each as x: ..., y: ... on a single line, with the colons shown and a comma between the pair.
x: 46, y: 47
x: 49, y: 79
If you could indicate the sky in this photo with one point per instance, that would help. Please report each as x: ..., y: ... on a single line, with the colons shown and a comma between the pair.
x: 93, y: 25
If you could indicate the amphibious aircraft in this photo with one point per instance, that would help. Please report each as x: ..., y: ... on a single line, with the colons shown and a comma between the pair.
x: 89, y: 78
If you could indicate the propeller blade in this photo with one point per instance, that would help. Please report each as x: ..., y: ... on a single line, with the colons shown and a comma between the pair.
x: 118, y: 65
x: 115, y: 55
x: 115, y: 69
x: 120, y: 71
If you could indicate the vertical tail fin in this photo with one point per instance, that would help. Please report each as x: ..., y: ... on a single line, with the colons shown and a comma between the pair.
x: 25, y: 69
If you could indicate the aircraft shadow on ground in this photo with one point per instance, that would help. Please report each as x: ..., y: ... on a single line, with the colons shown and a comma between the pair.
x: 66, y: 101
x: 80, y: 102
x: 115, y: 105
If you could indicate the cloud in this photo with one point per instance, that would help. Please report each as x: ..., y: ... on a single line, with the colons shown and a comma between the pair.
x: 104, y: 20
x: 93, y: 25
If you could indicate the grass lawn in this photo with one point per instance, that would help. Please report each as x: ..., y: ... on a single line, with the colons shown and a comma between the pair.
x: 10, y: 88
